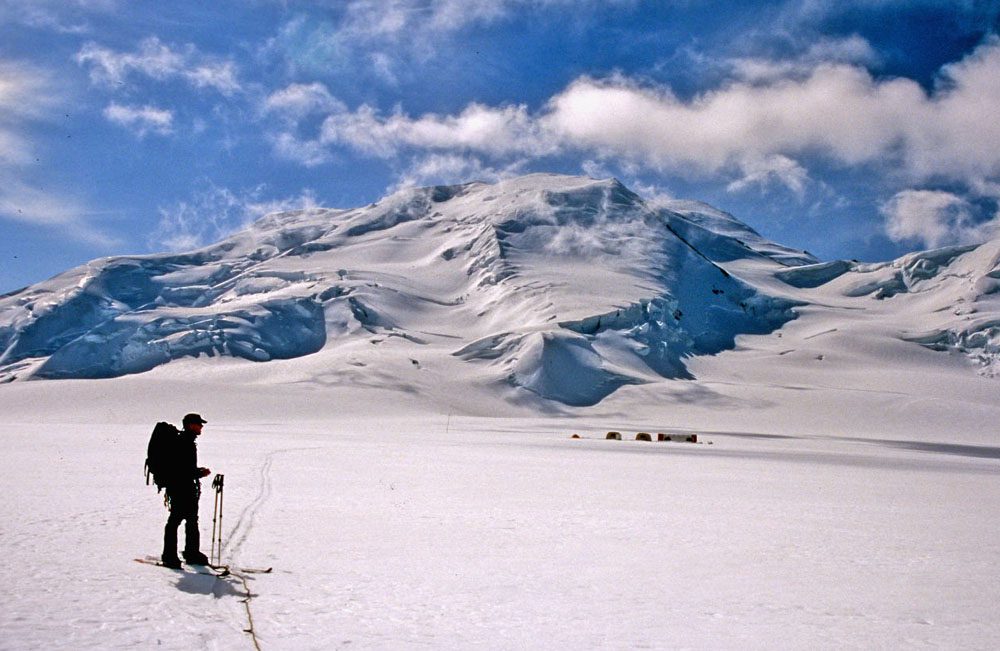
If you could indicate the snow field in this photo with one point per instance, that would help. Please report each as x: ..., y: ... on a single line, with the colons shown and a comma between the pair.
x: 491, y: 533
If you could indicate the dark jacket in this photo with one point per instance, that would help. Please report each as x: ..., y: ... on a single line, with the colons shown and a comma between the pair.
x: 185, y: 467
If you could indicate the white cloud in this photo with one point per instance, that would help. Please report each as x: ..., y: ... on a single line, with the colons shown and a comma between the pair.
x: 449, y: 169
x: 141, y: 120
x: 384, y: 67
x: 214, y: 212
x: 596, y: 169
x: 159, y: 61
x: 771, y: 170
x: 220, y: 76
x: 299, y: 100
x: 14, y: 148
x: 849, y: 49
x: 309, y: 153
x: 292, y: 104
x: 808, y: 56
x: 935, y: 218
x: 154, y: 59
x: 496, y: 131
x: 653, y: 194
x: 839, y: 111
x: 757, y: 130
x: 957, y: 133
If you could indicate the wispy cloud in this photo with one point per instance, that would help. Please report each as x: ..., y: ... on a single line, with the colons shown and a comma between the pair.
x: 28, y: 204
x: 24, y: 97
x: 28, y: 96
x: 26, y: 92
x: 22, y: 202
x: 159, y: 61
x: 306, y: 152
x: 215, y: 212
x: 141, y: 120
x: 14, y: 148
x: 813, y: 11
x: 804, y: 56
x: 61, y: 16
x: 398, y: 20
x: 771, y: 170
x: 299, y: 100
x: 502, y: 131
x: 491, y: 130
x: 383, y: 35
x: 448, y: 169
x: 934, y: 218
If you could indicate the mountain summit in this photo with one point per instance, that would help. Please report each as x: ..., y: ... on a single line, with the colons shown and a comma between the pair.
x: 544, y: 286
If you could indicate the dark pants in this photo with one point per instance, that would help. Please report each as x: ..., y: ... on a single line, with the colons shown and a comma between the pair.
x: 183, y: 507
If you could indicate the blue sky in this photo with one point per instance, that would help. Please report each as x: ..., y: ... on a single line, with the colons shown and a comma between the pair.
x: 857, y: 129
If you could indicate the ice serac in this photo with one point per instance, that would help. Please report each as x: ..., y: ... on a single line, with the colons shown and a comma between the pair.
x: 958, y: 290
x: 545, y: 287
x: 945, y: 299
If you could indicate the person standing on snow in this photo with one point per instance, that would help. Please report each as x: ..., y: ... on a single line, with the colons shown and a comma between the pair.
x: 183, y: 491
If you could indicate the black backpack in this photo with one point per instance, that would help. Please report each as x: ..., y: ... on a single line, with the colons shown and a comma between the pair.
x: 161, y: 454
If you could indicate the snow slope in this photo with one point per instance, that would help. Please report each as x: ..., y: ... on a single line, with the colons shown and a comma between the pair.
x: 404, y: 460
x: 566, y: 287
x: 946, y: 299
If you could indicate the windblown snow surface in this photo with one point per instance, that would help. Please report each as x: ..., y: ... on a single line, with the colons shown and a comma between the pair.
x: 391, y: 393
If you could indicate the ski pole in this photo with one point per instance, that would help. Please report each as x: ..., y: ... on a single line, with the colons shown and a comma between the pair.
x: 221, y: 496
x: 215, y: 513
x: 218, y: 484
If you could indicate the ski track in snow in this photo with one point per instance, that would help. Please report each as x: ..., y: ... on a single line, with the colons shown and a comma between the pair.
x: 247, y: 518
x: 245, y: 522
x: 238, y: 535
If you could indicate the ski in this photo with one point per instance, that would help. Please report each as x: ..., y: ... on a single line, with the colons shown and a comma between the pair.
x: 256, y: 570
x: 213, y: 570
x: 247, y: 570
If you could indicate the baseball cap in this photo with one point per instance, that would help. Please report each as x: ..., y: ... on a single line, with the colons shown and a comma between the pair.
x: 194, y: 418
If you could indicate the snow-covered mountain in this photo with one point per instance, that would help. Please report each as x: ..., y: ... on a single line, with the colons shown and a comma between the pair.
x: 562, y: 288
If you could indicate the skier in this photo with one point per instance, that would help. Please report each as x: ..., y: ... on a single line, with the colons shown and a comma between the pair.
x: 183, y: 490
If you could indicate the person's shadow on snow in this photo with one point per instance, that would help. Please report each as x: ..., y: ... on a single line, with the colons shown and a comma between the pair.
x: 207, y: 584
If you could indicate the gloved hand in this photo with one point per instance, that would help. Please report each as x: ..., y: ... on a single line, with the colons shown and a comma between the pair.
x: 204, y: 472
